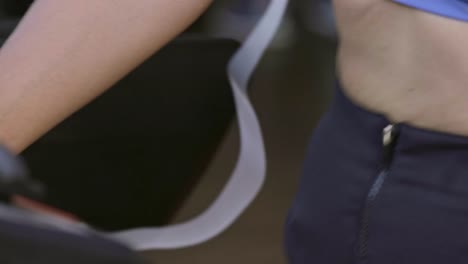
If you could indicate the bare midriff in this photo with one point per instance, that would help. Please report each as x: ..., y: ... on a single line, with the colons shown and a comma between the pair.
x: 406, y: 64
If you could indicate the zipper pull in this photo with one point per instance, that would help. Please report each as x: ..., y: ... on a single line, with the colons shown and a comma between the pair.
x: 389, y: 136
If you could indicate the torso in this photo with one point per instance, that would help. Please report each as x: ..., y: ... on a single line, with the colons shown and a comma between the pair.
x: 409, y: 65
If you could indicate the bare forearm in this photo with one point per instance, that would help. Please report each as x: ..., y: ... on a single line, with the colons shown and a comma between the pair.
x: 65, y: 53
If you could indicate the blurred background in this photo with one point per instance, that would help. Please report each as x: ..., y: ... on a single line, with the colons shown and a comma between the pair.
x: 136, y: 172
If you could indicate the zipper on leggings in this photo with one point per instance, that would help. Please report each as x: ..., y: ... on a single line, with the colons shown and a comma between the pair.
x: 389, y: 138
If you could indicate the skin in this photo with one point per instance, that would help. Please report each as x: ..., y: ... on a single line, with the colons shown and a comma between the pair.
x: 403, y: 63
x: 65, y: 53
x: 409, y: 65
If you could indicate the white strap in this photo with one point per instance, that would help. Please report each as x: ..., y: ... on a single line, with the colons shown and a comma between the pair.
x: 249, y: 173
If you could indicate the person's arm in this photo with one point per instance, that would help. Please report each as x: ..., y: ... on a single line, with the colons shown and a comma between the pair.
x: 65, y: 53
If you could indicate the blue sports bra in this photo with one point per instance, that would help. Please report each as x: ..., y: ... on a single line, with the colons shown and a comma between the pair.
x: 456, y: 9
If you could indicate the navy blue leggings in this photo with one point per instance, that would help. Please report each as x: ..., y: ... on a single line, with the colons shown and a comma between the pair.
x: 355, y: 205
